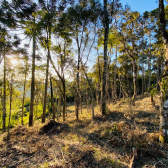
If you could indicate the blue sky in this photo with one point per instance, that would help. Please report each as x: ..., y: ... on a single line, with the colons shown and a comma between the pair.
x: 141, y: 5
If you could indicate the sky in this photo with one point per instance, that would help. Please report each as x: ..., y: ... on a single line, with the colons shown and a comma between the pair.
x: 141, y: 5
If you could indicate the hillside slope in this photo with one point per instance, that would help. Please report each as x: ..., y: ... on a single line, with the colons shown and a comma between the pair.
x: 103, y: 142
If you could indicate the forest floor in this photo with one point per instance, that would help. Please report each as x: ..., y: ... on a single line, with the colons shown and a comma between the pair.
x: 105, y: 142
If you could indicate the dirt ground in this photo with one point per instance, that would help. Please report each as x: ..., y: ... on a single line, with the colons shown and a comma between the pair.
x: 127, y: 133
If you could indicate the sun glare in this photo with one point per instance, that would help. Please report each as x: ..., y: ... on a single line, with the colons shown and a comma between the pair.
x: 14, y: 62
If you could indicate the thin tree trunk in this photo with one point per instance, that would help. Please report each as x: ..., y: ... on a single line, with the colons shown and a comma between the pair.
x: 115, y: 74
x: 24, y: 93
x: 149, y: 64
x: 120, y: 87
x: 97, y: 95
x: 66, y: 105
x: 134, y: 79
x: 11, y: 93
x: 87, y: 101
x: 64, y: 100
x: 106, y: 27
x: 32, y: 83
x: 59, y: 104
x: 36, y: 103
x: 77, y: 81
x: 52, y: 99
x: 91, y: 90
x: 4, y: 96
x: 56, y: 105
x: 46, y: 80
x: 81, y: 101
x: 142, y: 78
x: 100, y: 80
x: 158, y: 72
x: 48, y: 106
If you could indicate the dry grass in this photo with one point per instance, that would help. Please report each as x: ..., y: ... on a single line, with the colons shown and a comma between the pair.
x: 102, y: 142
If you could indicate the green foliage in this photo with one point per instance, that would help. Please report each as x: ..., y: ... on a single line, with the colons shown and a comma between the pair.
x: 164, y: 88
x: 153, y: 90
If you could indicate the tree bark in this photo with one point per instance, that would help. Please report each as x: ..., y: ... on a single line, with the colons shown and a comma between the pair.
x: 4, y: 96
x: 52, y: 99
x: 81, y: 101
x: 24, y: 93
x: 77, y: 82
x: 46, y: 79
x: 115, y: 74
x: 10, y: 108
x: 91, y: 90
x: 134, y: 79
x: 163, y: 137
x: 59, y: 103
x: 142, y: 78
x: 32, y: 83
x: 64, y: 100
x: 149, y: 64
x: 106, y: 27
x: 158, y: 72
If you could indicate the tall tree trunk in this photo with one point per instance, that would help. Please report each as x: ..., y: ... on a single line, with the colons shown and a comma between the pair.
x: 91, y: 90
x: 46, y: 79
x: 120, y: 86
x: 134, y: 79
x: 149, y: 63
x: 56, y: 104
x: 81, y: 101
x: 115, y: 73
x: 87, y: 101
x: 107, y: 86
x: 64, y: 99
x: 97, y: 95
x: 142, y: 78
x: 158, y: 73
x: 32, y: 82
x: 24, y: 93
x: 106, y: 27
x: 99, y: 83
x: 10, y: 108
x: 77, y: 81
x: 59, y: 103
x: 4, y: 95
x: 52, y: 99
x: 163, y: 137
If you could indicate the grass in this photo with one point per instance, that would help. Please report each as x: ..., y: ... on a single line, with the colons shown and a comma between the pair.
x: 106, y: 141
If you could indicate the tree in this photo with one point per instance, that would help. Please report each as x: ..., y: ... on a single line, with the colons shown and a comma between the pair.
x: 106, y: 32
x: 26, y: 13
x: 163, y: 137
x: 129, y: 30
x: 7, y: 21
x: 76, y: 23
